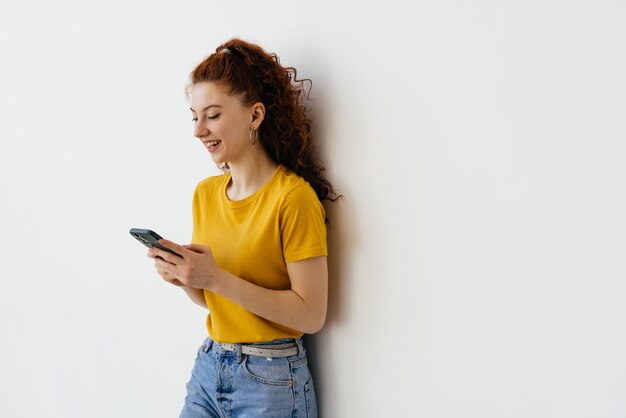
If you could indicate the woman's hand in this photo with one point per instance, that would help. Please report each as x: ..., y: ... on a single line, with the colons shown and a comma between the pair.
x: 303, y: 307
x: 196, y: 268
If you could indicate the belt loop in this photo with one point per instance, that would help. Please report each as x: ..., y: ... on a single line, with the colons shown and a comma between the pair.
x: 300, y: 345
x: 239, y: 355
x: 207, y: 345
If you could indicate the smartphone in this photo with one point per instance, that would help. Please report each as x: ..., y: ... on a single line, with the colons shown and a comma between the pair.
x: 150, y: 239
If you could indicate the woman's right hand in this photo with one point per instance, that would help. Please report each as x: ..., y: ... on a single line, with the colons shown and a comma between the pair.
x: 196, y: 295
x: 166, y: 276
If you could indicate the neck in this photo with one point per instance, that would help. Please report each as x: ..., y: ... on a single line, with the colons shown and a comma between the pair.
x: 249, y: 176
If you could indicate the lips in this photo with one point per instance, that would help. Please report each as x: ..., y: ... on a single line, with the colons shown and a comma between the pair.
x: 212, y: 145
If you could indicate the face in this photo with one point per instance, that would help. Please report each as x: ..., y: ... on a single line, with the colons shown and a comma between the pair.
x: 221, y: 121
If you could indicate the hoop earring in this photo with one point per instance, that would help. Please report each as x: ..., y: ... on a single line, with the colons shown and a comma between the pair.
x: 256, y: 135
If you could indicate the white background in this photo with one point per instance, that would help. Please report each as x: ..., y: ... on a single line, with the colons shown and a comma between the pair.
x: 477, y: 258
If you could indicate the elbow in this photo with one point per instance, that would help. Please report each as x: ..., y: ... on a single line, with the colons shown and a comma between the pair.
x: 315, y: 325
x: 315, y: 329
x: 312, y: 329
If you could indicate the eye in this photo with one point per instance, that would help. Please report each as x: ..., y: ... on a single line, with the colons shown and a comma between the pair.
x: 194, y: 119
x: 214, y: 116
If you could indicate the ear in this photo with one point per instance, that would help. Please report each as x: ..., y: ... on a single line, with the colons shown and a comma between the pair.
x: 258, y: 114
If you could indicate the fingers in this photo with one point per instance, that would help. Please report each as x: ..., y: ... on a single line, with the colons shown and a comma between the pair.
x: 152, y: 254
x: 187, y: 271
x: 201, y: 249
x: 172, y: 246
x: 163, y: 266
x: 164, y: 255
x: 171, y: 279
x: 167, y: 271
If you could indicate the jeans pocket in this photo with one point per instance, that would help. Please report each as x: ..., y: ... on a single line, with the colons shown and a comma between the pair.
x: 272, y: 372
x: 199, y: 351
x: 310, y: 399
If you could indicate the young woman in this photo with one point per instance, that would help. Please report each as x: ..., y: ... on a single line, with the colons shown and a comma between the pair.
x: 258, y: 258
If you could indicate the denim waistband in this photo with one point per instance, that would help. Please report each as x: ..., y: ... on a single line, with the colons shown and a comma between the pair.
x: 209, y: 344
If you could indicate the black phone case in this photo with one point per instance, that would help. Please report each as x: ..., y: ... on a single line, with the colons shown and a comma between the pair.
x: 150, y: 239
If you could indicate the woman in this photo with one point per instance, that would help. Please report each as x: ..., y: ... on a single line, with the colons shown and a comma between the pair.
x: 258, y: 258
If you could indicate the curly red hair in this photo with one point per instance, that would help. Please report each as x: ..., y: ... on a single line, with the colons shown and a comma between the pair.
x: 259, y: 77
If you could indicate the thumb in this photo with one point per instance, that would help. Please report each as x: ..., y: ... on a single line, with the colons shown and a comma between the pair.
x: 170, y: 244
x: 201, y: 249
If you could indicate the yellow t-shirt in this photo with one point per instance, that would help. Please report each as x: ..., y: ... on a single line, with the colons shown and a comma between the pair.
x: 253, y: 238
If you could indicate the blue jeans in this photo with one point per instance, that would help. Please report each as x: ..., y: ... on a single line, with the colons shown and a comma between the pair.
x: 232, y: 384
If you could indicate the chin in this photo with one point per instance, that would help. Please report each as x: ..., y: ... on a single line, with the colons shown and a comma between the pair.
x: 217, y: 160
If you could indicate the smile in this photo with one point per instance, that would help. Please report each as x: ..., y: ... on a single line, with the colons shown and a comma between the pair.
x: 212, y: 145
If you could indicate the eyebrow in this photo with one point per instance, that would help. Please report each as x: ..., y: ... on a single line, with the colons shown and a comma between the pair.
x: 206, y: 108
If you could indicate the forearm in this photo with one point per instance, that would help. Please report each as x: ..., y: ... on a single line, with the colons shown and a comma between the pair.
x: 302, y: 307
x: 196, y: 295
x: 285, y: 307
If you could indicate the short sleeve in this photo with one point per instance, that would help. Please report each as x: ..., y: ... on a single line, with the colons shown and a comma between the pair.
x: 303, y: 230
x: 195, y: 212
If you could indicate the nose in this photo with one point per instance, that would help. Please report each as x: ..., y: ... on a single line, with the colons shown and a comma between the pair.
x: 200, y: 131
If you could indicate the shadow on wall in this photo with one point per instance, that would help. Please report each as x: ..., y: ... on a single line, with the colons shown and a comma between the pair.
x: 318, y: 345
x: 341, y: 237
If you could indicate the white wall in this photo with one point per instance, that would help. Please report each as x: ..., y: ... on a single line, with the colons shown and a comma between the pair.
x: 477, y: 259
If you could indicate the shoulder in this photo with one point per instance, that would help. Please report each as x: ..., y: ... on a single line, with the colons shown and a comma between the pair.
x: 297, y: 197
x: 294, y: 188
x: 211, y: 183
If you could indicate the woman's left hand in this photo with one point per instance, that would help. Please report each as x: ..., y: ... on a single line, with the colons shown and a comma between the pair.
x: 197, y: 267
